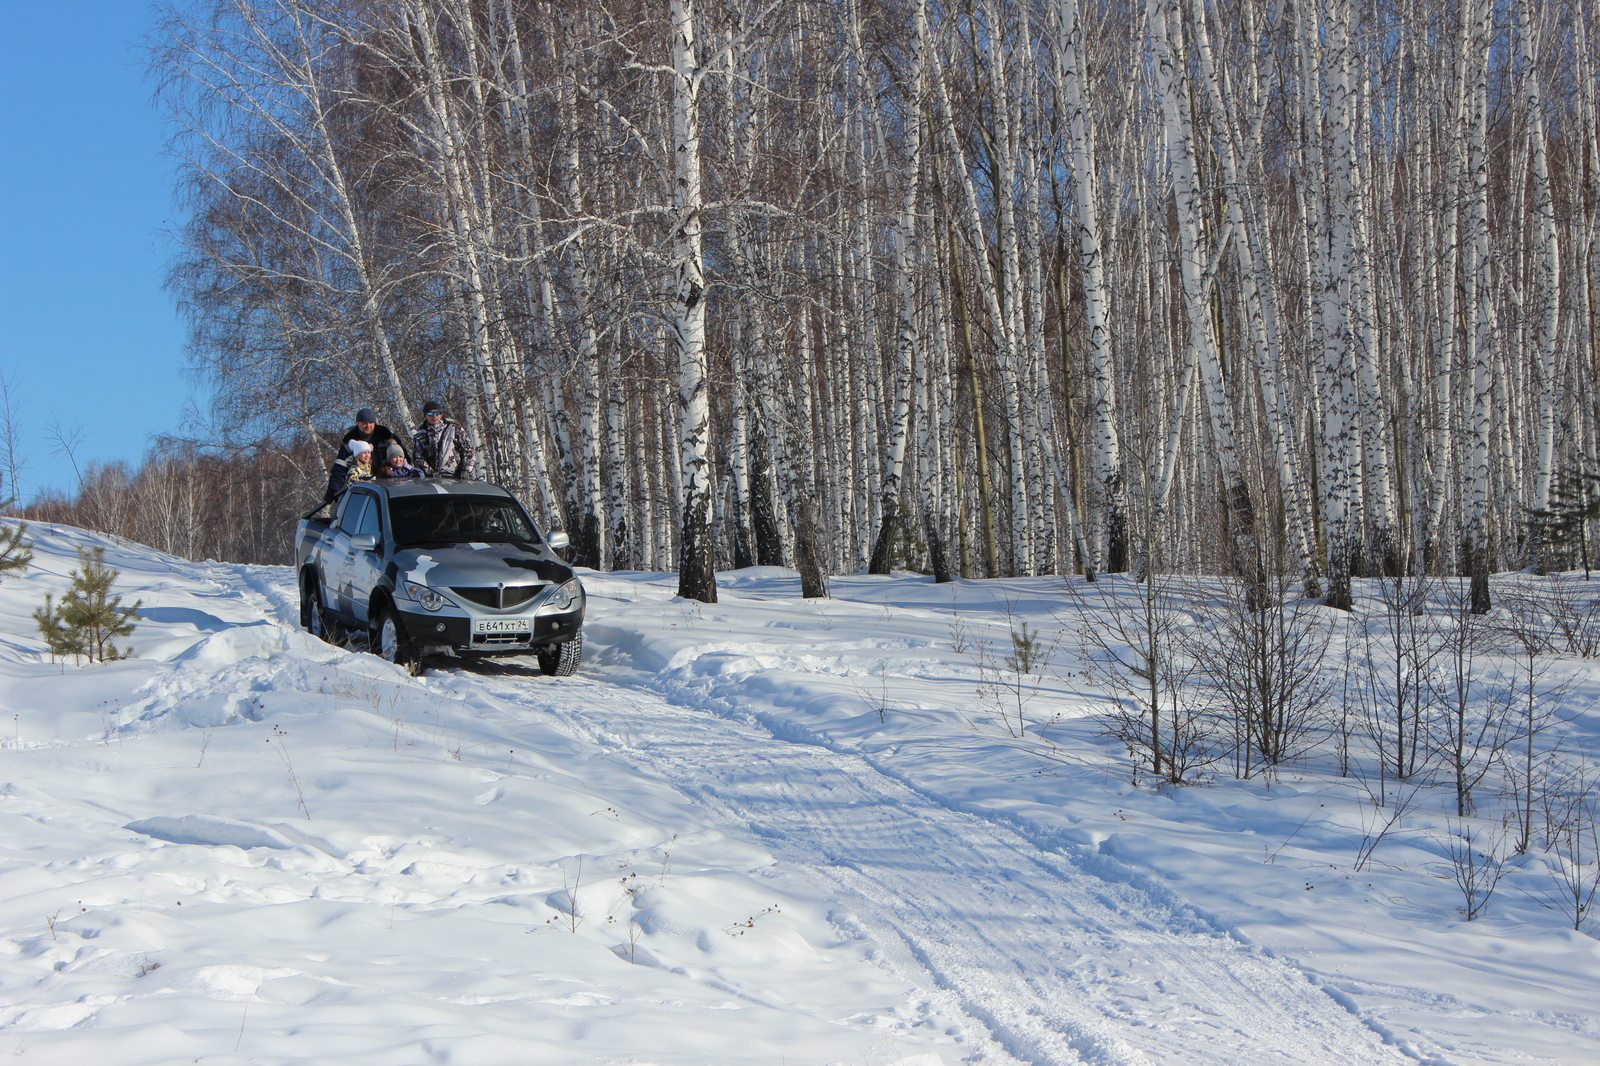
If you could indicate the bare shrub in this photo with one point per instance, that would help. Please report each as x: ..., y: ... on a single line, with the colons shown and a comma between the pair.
x: 1473, y: 861
x: 1568, y: 607
x: 1477, y: 702
x: 1392, y: 669
x: 1532, y: 699
x: 1573, y: 853
x: 1379, y: 824
x: 1130, y: 632
x: 1262, y: 658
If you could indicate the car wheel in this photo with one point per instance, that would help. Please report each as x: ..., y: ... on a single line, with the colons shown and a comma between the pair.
x: 389, y: 640
x: 561, y: 660
x: 313, y: 617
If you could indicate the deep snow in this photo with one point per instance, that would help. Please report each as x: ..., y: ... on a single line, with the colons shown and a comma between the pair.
x: 762, y: 831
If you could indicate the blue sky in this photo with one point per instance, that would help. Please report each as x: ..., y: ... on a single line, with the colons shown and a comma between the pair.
x: 88, y: 337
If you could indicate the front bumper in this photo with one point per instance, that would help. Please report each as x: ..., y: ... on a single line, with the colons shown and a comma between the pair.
x: 435, y: 633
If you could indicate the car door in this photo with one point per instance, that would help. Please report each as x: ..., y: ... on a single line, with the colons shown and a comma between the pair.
x: 341, y: 556
x: 366, y: 567
x: 328, y: 556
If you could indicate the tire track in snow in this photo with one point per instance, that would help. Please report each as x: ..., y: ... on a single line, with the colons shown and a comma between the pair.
x: 1058, y: 962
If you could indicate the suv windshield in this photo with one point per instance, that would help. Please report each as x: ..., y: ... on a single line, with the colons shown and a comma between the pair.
x: 458, y: 520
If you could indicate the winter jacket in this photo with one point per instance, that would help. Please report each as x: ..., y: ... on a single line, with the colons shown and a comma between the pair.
x: 339, y: 473
x: 444, y: 450
x: 401, y: 473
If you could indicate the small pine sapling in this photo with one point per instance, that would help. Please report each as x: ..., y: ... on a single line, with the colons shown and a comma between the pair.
x: 14, y: 553
x: 89, y: 618
x: 1564, y: 524
x: 58, y: 637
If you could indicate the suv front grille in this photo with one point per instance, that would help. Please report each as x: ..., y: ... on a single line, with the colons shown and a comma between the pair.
x: 489, y: 596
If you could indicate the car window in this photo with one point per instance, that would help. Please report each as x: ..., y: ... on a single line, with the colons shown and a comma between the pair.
x: 339, y: 508
x: 461, y: 519
x: 354, y: 511
x: 370, y: 519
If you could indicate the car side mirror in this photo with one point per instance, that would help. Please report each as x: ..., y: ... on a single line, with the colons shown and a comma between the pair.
x: 558, y: 540
x: 364, y: 542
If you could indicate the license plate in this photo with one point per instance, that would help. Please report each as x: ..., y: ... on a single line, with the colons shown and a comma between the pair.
x: 500, y: 625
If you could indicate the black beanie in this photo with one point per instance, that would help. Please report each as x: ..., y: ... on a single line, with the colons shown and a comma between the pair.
x: 430, y: 407
x: 366, y: 414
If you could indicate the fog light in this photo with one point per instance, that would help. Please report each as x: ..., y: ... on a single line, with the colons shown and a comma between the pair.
x: 439, y: 628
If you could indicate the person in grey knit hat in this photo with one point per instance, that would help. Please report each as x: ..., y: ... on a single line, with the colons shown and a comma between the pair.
x: 441, y: 445
x: 395, y: 465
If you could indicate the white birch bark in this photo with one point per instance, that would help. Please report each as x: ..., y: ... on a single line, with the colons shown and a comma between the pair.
x: 1196, y: 270
x: 906, y: 341
x: 1110, y: 531
x: 593, y: 533
x: 1260, y: 313
x: 1021, y: 434
x: 696, y: 579
x: 446, y: 135
x: 620, y: 534
x: 1547, y: 307
x: 1373, y: 408
x: 988, y: 286
x: 1448, y: 331
x: 1479, y: 278
x: 1340, y: 444
x: 515, y: 106
x: 1050, y: 473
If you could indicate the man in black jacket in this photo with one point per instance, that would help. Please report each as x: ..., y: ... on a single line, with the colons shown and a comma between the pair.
x: 366, y: 429
x: 441, y: 446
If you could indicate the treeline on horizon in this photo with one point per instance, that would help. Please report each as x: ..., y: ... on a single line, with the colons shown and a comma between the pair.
x: 988, y: 287
x: 237, y: 504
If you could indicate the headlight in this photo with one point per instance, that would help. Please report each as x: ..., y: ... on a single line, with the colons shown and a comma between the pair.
x: 430, y: 600
x: 565, y: 597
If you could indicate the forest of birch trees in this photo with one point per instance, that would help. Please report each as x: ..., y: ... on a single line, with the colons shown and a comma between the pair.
x: 971, y: 287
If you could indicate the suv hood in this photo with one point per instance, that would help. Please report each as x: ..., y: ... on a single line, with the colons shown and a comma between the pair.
x: 479, y: 564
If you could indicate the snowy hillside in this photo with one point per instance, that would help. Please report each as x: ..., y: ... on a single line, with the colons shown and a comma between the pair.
x: 763, y: 831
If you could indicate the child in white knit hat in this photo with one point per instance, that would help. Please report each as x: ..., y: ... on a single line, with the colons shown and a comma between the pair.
x: 360, y: 461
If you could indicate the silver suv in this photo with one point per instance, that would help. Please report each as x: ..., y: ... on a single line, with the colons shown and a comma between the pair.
x: 439, y: 567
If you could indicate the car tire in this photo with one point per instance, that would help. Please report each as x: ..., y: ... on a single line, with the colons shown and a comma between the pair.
x: 561, y: 660
x: 313, y: 616
x: 390, y: 642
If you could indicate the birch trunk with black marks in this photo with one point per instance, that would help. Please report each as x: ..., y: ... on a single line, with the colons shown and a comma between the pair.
x: 697, y: 579
x: 1110, y: 533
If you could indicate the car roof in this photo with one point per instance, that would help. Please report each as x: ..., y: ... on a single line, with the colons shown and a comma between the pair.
x: 436, y: 487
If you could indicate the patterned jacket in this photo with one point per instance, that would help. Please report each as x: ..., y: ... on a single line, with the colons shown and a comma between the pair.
x: 444, y: 450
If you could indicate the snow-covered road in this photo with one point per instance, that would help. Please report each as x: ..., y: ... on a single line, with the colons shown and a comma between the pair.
x: 1052, y: 960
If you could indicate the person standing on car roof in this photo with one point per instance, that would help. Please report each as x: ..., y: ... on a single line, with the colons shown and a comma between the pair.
x: 441, y: 445
x: 367, y: 431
